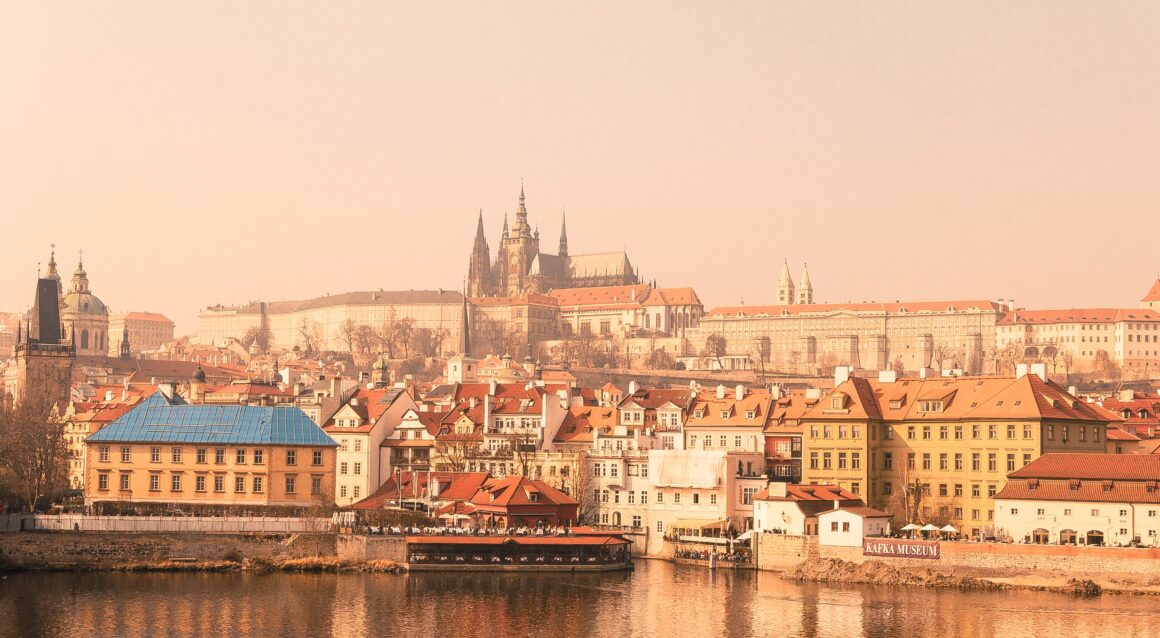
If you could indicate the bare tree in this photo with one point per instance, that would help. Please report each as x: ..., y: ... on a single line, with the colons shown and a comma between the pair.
x: 259, y: 335
x: 908, y: 498
x: 1067, y: 359
x: 1050, y: 354
x: 793, y: 360
x: 897, y: 366
x: 33, y: 448
x: 365, y: 339
x: 938, y: 354
x: 348, y: 334
x: 715, y: 346
x: 309, y: 336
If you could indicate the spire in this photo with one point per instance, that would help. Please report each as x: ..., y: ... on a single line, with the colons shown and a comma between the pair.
x: 505, y: 226
x: 785, y: 286
x: 521, y: 228
x: 125, y: 347
x: 805, y: 288
x: 80, y: 282
x: 52, y: 273
x: 479, y: 234
x: 564, y: 233
x: 464, y: 329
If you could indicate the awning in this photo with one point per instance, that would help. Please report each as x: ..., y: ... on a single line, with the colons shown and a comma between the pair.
x: 698, y: 523
x: 910, y: 527
x: 929, y: 528
x: 745, y: 536
x: 948, y: 528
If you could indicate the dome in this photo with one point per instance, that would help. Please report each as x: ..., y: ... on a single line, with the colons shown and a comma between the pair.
x: 199, y: 375
x: 84, y: 303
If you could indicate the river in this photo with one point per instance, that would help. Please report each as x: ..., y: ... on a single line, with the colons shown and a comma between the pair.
x: 658, y: 599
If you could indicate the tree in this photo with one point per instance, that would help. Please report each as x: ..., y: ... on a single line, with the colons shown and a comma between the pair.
x: 309, y: 336
x: 897, y: 366
x: 940, y: 353
x: 259, y: 335
x: 348, y: 334
x: 907, y: 500
x: 365, y: 339
x: 1067, y: 359
x: 1010, y: 357
x: 658, y: 359
x: 715, y: 346
x: 1050, y: 354
x: 403, y: 334
x: 33, y: 448
x: 793, y: 360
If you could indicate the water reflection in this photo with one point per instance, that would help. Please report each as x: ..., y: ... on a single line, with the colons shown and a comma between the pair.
x: 659, y: 599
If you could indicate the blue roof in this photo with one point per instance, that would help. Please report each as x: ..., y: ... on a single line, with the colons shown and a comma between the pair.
x: 162, y: 420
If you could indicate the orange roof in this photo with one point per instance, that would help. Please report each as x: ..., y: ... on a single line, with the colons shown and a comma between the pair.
x: 517, y: 490
x: 1116, y: 434
x: 809, y: 492
x: 1153, y: 293
x: 672, y: 297
x: 147, y: 316
x: 1092, y: 467
x: 518, y: 300
x: 894, y: 308
x: 736, y: 412
x: 603, y: 296
x: 1078, y: 315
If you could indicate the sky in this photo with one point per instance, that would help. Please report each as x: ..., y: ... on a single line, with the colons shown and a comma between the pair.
x: 222, y: 152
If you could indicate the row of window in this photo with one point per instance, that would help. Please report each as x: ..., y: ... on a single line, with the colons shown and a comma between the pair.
x: 946, y: 432
x: 201, y: 455
x: 201, y: 482
x: 1067, y: 512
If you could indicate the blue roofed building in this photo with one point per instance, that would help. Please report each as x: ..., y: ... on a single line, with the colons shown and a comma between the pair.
x: 166, y: 454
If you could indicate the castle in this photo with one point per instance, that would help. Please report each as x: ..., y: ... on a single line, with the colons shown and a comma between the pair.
x: 520, y: 268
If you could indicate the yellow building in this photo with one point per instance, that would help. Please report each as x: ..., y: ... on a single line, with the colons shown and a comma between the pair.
x: 939, y: 449
x: 164, y: 453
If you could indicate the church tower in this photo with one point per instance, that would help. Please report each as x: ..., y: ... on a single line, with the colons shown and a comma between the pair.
x: 520, y: 246
x: 479, y: 268
x: 86, y: 316
x: 44, y: 357
x: 564, y: 236
x: 805, y: 290
x: 785, y: 286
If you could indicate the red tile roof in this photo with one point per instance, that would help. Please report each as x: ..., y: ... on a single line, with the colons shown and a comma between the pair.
x: 807, y: 492
x: 1153, y: 293
x: 911, y: 307
x: 1110, y: 467
x: 1078, y: 315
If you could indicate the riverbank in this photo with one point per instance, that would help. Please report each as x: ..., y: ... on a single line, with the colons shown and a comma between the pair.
x: 877, y: 572
x: 258, y: 565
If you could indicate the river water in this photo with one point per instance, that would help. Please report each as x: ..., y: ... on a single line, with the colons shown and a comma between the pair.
x: 658, y: 599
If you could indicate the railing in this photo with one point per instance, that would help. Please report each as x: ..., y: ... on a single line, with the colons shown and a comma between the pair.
x: 235, y: 524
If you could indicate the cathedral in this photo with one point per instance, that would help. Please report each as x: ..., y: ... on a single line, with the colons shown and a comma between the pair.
x: 521, y: 268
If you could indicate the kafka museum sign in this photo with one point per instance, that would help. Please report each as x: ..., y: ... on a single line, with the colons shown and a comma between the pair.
x: 899, y: 548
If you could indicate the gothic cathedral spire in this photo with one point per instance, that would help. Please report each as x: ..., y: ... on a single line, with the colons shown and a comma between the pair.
x: 563, y: 234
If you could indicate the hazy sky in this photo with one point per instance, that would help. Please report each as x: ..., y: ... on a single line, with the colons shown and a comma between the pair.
x: 212, y: 152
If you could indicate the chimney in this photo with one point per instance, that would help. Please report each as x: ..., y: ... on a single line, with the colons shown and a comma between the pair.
x: 887, y: 376
x: 841, y: 375
x: 1039, y: 370
x: 335, y: 389
x: 837, y: 504
x: 168, y: 389
x: 778, y: 490
x: 472, y: 402
x: 720, y: 392
x: 1020, y: 370
x: 108, y: 395
x: 491, y: 387
x: 632, y: 387
x: 739, y: 392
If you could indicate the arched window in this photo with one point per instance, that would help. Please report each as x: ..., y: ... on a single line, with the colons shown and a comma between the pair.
x: 85, y: 338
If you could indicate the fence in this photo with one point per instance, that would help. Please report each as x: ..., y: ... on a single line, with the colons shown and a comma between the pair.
x: 224, y: 524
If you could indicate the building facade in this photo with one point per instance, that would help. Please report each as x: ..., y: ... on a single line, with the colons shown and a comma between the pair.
x: 938, y: 450
x: 164, y: 454
x: 143, y: 331
x: 1085, y: 339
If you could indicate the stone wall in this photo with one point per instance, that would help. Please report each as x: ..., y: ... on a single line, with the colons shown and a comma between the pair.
x: 366, y: 548
x: 95, y: 550
x: 779, y: 552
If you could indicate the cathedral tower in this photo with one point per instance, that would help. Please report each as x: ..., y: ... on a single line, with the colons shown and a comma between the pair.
x: 44, y: 358
x: 805, y: 290
x: 479, y: 268
x: 785, y: 286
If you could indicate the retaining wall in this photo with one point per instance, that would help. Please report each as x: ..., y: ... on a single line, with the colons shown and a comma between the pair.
x: 779, y: 552
x: 176, y: 524
x: 95, y: 550
x: 366, y: 548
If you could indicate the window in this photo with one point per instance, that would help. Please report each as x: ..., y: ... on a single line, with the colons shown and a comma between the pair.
x: 219, y: 483
x: 342, y: 491
x: 826, y: 461
x: 975, y: 466
x: 958, y: 461
x: 841, y: 460
x: 1010, y: 462
x: 1039, y: 512
x: 910, y: 432
x: 660, y: 527
x: 856, y: 487
x: 696, y: 498
x: 1026, y: 459
x: 102, y: 481
x: 632, y: 498
x: 974, y: 515
x: 747, y: 495
x: 636, y: 520
x: 958, y: 432
x: 1014, y: 511
x: 358, y: 469
x: 290, y: 484
x: 199, y: 483
x: 240, y: 457
x: 257, y: 485
x: 219, y: 456
x: 887, y: 460
x: 154, y: 482
x: 943, y: 462
x: 926, y: 432
x: 926, y: 460
x: 975, y: 493
x: 975, y: 431
x: 676, y: 497
x: 175, y: 453
x: 887, y: 488
x: 1026, y: 431
x: 1067, y: 512
x: 992, y: 462
x: 834, y: 526
x: 613, y: 470
x: 889, y: 433
x: 343, y: 467
x: 991, y: 491
x: 942, y: 432
x: 959, y: 492
x: 201, y: 455
x: 814, y: 460
x: 1050, y: 432
x: 316, y: 486
x: 643, y: 498
x: 317, y: 459
x: 239, y: 484
x: 855, y: 460
x: 643, y: 470
x: 104, y: 453
x: 124, y: 453
x: 660, y: 497
x: 910, y: 460
x: 1123, y: 512
x: 737, y: 441
x: 1095, y: 512
x: 1010, y: 430
x: 291, y: 459
x: 724, y: 440
x: 992, y: 431
x: 942, y: 489
x: 175, y: 483
x: 713, y: 498
x: 124, y: 481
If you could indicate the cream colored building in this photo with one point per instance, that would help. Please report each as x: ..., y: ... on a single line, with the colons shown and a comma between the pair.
x: 359, y: 427
x: 148, y: 331
x: 1090, y: 499
x: 1085, y: 339
x: 322, y: 320
x: 804, y: 338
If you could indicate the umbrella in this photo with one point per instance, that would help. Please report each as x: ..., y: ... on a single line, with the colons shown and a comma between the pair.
x: 950, y: 529
x: 928, y: 528
x: 745, y: 536
x: 910, y: 527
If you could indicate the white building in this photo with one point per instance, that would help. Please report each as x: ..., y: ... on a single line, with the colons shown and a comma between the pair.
x: 1082, y: 499
x: 847, y: 526
x: 793, y: 509
x: 359, y: 427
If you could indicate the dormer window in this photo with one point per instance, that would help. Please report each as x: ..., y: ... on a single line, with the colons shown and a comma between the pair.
x: 751, y: 414
x: 534, y: 497
x: 699, y: 414
x: 837, y: 402
x: 895, y: 404
x: 724, y: 414
x: 930, y: 406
